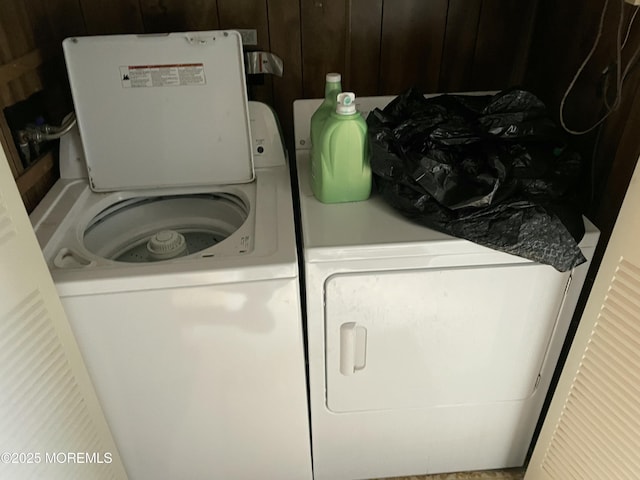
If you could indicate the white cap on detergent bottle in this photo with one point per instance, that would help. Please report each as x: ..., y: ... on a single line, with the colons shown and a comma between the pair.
x: 346, y: 103
x: 333, y: 78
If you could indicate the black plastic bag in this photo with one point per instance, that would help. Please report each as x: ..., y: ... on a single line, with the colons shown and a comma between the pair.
x: 491, y: 169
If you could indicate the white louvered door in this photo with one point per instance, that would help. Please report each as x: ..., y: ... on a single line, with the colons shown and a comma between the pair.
x: 592, y: 429
x: 51, y: 424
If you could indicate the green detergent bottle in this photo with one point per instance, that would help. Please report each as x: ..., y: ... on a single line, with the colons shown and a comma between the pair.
x: 344, y: 172
x: 332, y: 88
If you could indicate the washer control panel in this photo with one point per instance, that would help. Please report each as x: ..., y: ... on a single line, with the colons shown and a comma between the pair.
x: 266, y: 138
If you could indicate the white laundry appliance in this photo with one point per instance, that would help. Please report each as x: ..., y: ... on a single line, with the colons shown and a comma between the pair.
x: 427, y: 353
x: 170, y: 238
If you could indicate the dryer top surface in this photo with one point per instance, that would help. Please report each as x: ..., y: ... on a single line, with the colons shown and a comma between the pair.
x: 372, y: 229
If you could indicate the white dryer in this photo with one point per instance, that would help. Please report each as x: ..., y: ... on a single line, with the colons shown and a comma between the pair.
x: 427, y: 353
x: 175, y: 259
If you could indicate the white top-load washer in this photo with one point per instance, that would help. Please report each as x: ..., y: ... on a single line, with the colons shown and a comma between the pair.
x: 170, y: 238
x: 427, y: 353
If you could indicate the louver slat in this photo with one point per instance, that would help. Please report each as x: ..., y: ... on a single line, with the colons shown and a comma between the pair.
x: 7, y: 228
x: 602, y: 408
x: 35, y: 380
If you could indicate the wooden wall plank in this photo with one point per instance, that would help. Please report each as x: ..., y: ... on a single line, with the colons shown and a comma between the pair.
x: 179, y: 16
x: 23, y: 87
x: 15, y: 20
x: 6, y: 143
x: 504, y: 33
x: 104, y: 17
x: 463, y: 18
x: 246, y: 14
x: 53, y: 21
x: 412, y: 40
x: 563, y: 36
x: 284, y: 30
x: 250, y: 14
x: 323, y: 43
x: 619, y: 141
x: 31, y: 80
x: 558, y: 49
x: 364, y: 40
x: 45, y: 182
x: 616, y: 151
x: 16, y: 40
x: 33, y: 175
x: 621, y: 169
x: 20, y: 66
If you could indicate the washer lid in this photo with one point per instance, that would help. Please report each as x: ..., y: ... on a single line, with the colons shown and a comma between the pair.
x: 161, y: 110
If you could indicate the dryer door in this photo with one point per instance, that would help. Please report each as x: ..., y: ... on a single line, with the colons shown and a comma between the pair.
x: 437, y: 337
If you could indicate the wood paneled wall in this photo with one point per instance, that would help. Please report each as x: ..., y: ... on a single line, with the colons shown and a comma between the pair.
x: 564, y: 34
x: 385, y: 46
x: 380, y: 46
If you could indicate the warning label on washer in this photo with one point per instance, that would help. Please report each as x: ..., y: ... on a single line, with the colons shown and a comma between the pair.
x: 176, y: 75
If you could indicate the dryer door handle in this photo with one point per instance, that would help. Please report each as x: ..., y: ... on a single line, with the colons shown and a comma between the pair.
x: 353, y: 348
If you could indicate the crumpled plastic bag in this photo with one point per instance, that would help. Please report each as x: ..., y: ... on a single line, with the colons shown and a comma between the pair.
x: 491, y: 169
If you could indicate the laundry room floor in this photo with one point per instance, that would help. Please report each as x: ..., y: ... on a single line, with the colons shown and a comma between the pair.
x: 510, y: 474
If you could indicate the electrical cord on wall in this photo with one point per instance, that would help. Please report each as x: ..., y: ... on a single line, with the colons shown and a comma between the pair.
x: 632, y: 61
x: 633, y: 18
x: 621, y: 74
x: 592, y: 169
x: 636, y: 54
